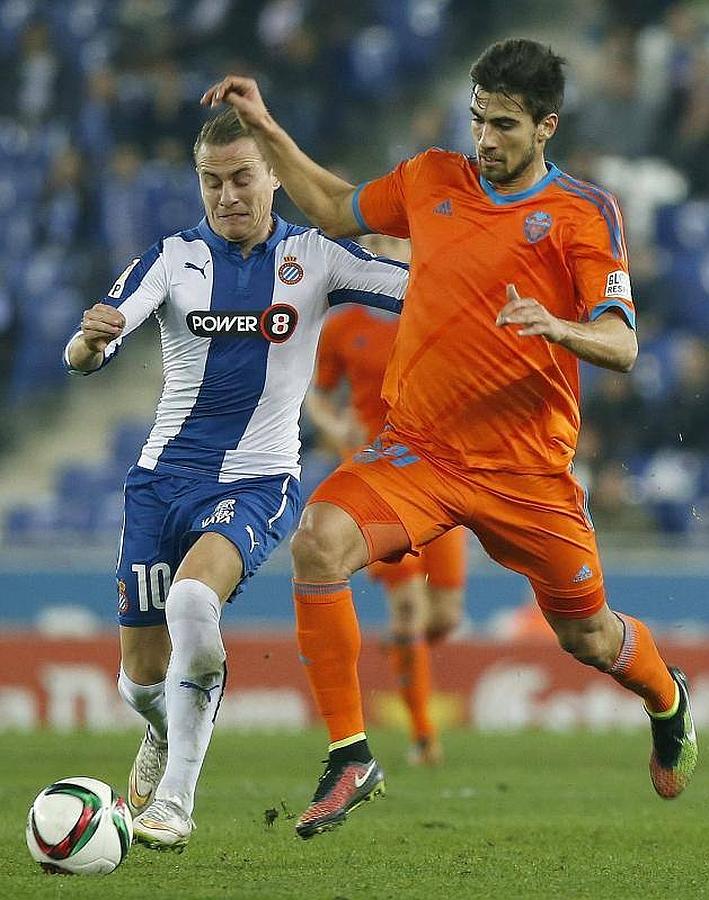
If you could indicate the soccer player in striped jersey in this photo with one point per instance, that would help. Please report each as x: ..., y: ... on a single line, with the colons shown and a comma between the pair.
x: 425, y: 592
x: 240, y: 300
x: 518, y: 271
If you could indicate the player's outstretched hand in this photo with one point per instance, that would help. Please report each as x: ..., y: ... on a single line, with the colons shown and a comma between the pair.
x: 240, y: 93
x: 535, y: 318
x: 100, y: 325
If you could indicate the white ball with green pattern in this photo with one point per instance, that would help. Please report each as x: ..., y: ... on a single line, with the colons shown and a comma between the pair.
x: 79, y: 826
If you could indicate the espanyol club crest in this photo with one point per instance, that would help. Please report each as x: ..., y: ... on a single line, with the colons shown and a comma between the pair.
x: 123, y: 600
x: 537, y: 226
x: 290, y: 271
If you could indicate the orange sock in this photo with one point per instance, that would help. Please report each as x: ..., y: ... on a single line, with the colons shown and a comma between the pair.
x: 411, y: 663
x: 641, y: 669
x: 329, y: 642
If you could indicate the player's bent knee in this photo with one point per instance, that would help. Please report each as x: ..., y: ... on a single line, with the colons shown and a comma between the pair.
x: 589, y: 649
x: 439, y: 630
x: 144, y: 670
x: 445, y: 613
x: 405, y: 627
x: 145, y: 653
x: 317, y: 555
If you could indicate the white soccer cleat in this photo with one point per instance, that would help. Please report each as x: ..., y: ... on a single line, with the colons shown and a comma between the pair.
x: 163, y: 826
x: 148, y: 769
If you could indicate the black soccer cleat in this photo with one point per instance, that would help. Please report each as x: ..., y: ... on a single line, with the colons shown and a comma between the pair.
x: 674, y: 745
x: 340, y: 790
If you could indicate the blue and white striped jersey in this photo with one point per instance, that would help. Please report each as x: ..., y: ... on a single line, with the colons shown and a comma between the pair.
x: 239, y: 338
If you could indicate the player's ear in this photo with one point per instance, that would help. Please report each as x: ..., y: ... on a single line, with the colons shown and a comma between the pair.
x: 275, y: 183
x: 547, y: 126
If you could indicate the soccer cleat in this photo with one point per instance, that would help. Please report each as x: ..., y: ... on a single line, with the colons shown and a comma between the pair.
x: 339, y: 791
x: 148, y: 769
x: 163, y: 826
x: 425, y: 752
x: 674, y: 745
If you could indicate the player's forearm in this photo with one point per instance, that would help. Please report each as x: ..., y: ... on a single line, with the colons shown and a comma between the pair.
x: 607, y: 342
x: 82, y: 357
x: 323, y: 197
x: 324, y: 415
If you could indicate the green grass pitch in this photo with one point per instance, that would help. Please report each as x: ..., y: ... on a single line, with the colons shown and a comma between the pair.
x: 528, y: 815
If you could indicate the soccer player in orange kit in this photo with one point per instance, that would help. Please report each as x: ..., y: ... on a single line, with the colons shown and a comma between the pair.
x: 518, y: 271
x: 425, y: 593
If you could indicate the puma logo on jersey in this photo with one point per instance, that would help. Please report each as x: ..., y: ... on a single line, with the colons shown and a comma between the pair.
x: 190, y: 265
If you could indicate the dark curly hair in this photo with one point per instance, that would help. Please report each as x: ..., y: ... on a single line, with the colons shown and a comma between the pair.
x: 525, y: 68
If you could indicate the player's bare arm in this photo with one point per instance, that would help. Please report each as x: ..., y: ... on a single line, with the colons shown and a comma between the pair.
x: 325, y: 198
x: 339, y: 427
x: 100, y: 325
x: 607, y: 341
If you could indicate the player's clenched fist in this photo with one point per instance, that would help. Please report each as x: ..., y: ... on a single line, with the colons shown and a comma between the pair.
x: 100, y: 325
x: 243, y: 95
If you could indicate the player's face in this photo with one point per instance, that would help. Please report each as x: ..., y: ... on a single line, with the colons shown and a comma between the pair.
x: 508, y: 144
x: 237, y: 191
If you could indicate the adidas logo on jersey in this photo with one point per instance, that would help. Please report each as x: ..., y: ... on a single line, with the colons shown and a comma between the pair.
x: 583, y: 574
x: 445, y: 208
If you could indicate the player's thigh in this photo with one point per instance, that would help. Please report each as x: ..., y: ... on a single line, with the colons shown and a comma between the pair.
x: 392, y: 494
x: 539, y: 526
x: 405, y: 587
x: 148, y: 553
x: 407, y: 608
x: 393, y: 574
x: 215, y: 561
x: 445, y: 559
x: 234, y: 528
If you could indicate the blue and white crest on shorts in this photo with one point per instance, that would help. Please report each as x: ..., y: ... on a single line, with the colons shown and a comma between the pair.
x: 223, y: 513
x: 537, y: 226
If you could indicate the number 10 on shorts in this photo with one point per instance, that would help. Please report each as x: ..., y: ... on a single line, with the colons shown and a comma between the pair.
x: 153, y: 585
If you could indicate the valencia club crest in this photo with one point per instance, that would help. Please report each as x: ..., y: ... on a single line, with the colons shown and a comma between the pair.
x: 537, y: 226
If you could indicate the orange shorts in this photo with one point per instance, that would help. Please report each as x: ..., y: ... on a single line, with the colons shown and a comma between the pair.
x: 537, y: 525
x: 442, y: 563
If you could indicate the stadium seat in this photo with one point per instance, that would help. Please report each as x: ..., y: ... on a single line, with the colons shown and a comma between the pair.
x: 684, y: 226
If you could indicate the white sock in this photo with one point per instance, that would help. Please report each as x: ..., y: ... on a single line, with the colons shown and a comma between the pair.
x: 148, y: 700
x: 193, y: 686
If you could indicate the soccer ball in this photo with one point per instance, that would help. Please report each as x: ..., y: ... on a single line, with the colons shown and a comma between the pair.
x: 79, y: 826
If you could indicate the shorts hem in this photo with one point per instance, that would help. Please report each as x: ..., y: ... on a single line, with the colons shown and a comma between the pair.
x: 547, y: 603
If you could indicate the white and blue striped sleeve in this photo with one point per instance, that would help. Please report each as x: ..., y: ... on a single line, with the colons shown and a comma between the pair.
x: 358, y: 276
x: 137, y: 293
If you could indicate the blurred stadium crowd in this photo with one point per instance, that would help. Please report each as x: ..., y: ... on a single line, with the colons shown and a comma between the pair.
x: 99, y: 109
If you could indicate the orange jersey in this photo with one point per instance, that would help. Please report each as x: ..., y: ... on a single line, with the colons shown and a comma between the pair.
x: 355, y: 346
x: 462, y: 390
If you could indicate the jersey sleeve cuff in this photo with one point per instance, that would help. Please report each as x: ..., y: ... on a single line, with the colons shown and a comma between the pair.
x: 72, y: 370
x: 357, y: 211
x: 628, y: 314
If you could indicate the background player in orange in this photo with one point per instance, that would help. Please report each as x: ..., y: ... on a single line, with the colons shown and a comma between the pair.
x: 425, y: 593
x: 518, y: 270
